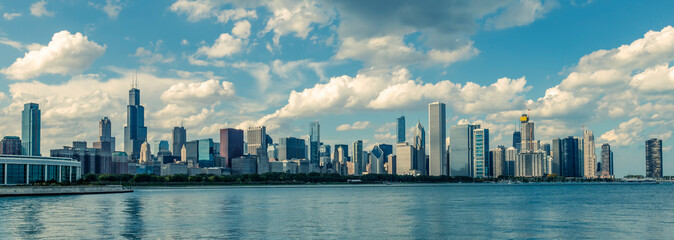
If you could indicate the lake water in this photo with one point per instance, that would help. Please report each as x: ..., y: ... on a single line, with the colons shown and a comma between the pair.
x: 405, y: 211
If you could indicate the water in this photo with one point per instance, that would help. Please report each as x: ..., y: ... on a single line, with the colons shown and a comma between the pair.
x: 482, y: 211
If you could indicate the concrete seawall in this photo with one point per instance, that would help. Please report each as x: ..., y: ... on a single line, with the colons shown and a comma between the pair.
x: 12, y: 191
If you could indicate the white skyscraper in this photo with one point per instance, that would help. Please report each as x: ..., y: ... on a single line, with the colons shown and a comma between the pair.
x: 589, y: 156
x: 145, y: 153
x: 404, y: 158
x: 257, y: 139
x: 437, y: 162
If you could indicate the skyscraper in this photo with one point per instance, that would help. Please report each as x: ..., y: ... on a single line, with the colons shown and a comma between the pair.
x: 257, y: 141
x: 105, y: 140
x: 589, y: 156
x: 571, y: 157
x: 420, y: 150
x: 437, y: 161
x: 145, y: 153
x: 606, y: 161
x: 315, y: 142
x: 135, y: 132
x: 481, y: 153
x: 517, y: 140
x: 379, y: 154
x: 404, y: 158
x: 179, y: 139
x: 400, y: 129
x: 206, y: 153
x: 556, y: 153
x: 357, y: 157
x: 654, y: 158
x: 231, y: 144
x: 498, y: 159
x: 461, y: 147
x: 511, y: 156
x: 527, y: 134
x: 31, y: 125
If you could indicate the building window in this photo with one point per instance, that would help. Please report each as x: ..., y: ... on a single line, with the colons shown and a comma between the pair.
x: 16, y: 173
x: 73, y: 174
x: 52, y: 173
x: 2, y: 173
x: 65, y: 173
x: 36, y: 173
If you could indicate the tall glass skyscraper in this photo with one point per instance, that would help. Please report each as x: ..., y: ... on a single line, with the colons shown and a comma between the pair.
x: 357, y: 157
x: 30, y: 129
x: 315, y: 142
x: 517, y: 140
x: 438, y: 133
x: 105, y: 140
x: 654, y: 158
x: 135, y: 132
x: 400, y: 129
x: 461, y: 147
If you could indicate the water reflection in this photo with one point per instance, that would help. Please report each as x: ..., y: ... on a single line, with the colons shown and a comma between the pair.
x: 31, y: 222
x: 133, y: 224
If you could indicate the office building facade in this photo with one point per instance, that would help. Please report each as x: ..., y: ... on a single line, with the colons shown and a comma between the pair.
x: 135, y: 132
x: 31, y: 126
x: 654, y: 158
x: 438, y: 164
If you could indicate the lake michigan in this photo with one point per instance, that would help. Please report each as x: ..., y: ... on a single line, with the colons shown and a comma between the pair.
x: 397, y: 211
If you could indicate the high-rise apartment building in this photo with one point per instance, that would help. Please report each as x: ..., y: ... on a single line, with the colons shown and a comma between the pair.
x: 527, y: 134
x: 654, y: 158
x: 606, y: 161
x: 589, y: 156
x: 179, y: 136
x: 438, y: 164
x: 481, y: 161
x: 31, y: 125
x: 400, y: 129
x: 498, y: 159
x: 556, y: 153
x: 511, y: 156
x: 135, y: 132
x: 571, y: 157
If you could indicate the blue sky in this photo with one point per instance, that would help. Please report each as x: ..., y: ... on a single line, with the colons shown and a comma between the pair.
x: 354, y: 66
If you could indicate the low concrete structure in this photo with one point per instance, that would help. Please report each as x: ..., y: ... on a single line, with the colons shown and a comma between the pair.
x: 12, y: 191
x: 21, y: 170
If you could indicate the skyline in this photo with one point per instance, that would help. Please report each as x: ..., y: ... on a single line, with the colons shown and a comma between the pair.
x: 290, y: 92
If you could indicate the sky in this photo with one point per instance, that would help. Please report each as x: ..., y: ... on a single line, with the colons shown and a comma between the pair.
x: 354, y: 66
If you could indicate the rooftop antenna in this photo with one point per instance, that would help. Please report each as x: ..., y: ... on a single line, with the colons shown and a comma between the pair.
x: 136, y: 76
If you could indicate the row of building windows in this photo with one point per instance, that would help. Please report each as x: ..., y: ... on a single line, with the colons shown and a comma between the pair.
x: 19, y: 173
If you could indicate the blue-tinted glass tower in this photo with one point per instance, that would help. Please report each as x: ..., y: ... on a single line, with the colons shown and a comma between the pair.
x: 135, y: 132
x: 30, y: 129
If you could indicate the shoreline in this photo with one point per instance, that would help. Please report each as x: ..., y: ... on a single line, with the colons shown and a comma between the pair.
x: 22, y: 191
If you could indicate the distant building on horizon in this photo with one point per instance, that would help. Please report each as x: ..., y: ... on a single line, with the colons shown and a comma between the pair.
x: 404, y: 159
x: 498, y: 159
x: 106, y: 141
x: 231, y: 144
x: 420, y: 163
x: 257, y: 140
x: 481, y: 162
x: 10, y: 145
x: 437, y: 163
x: 291, y: 148
x: 179, y: 137
x: 135, y: 132
x: 357, y: 157
x: 31, y: 125
x: 461, y: 147
x: 314, y: 142
x: 400, y: 129
x: 606, y: 161
x: 517, y: 140
x: 654, y: 158
x: 589, y: 155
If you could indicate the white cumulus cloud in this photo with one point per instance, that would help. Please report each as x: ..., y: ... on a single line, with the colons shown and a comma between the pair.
x: 66, y: 53
x: 358, y: 125
x: 210, y: 90
x: 225, y: 45
x: 10, y: 16
x: 38, y: 9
